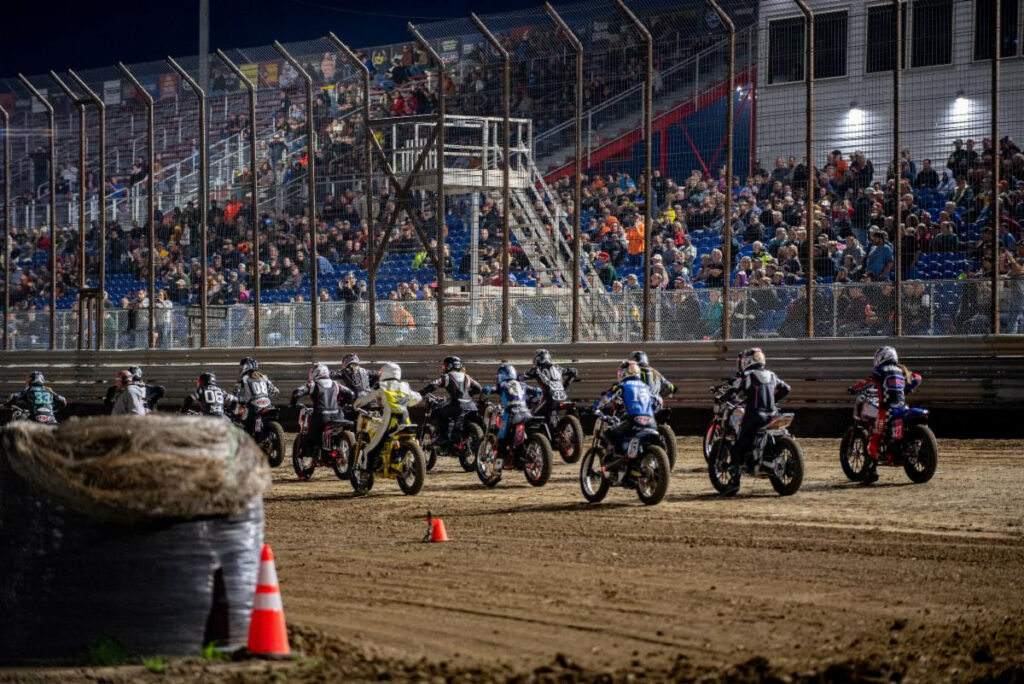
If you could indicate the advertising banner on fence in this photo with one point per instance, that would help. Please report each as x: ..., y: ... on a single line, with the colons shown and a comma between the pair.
x: 168, y: 85
x: 111, y: 92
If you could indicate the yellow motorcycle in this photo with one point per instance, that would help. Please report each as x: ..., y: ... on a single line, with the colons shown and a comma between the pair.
x: 398, y: 457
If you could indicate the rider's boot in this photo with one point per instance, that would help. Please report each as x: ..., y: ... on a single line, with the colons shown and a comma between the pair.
x: 870, y: 471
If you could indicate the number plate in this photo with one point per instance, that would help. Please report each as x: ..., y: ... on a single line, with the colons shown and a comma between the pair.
x: 634, y: 446
x: 897, y: 429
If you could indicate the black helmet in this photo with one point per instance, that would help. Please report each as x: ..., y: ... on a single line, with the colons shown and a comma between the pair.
x: 248, y: 364
x: 36, y: 378
x: 451, y: 363
x: 750, y: 359
x: 136, y: 372
x: 542, y: 357
x: 206, y: 380
x: 640, y: 357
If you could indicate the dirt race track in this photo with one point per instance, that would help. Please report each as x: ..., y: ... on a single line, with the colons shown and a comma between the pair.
x: 892, y: 582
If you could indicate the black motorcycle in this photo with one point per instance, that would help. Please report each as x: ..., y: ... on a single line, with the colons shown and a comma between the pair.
x: 467, y: 441
x: 336, y: 445
x: 527, y: 449
x: 562, y: 425
x: 266, y: 429
x: 636, y: 461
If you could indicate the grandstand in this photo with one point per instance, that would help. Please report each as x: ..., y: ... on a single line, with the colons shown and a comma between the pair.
x: 940, y: 189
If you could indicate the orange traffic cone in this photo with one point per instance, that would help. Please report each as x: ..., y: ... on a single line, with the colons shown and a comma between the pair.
x: 435, y: 530
x: 267, y: 632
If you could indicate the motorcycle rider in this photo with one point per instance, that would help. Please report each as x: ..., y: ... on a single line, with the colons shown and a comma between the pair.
x: 892, y: 381
x: 760, y: 388
x: 212, y: 399
x: 253, y: 391
x: 327, y: 396
x: 353, y: 376
x: 154, y: 393
x: 130, y: 398
x: 513, y: 395
x: 630, y: 404
x: 394, y: 397
x: 39, y: 399
x: 551, y: 378
x: 460, y: 387
x: 655, y: 380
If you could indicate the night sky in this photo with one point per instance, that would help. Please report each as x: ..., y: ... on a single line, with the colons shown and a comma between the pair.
x: 37, y: 36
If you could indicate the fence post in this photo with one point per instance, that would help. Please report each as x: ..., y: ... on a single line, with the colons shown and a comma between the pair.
x: 996, y: 154
x: 577, y: 187
x: 254, y: 204
x: 52, y: 218
x: 897, y: 217
x: 506, y: 202
x: 429, y: 49
x: 7, y: 222
x: 314, y: 268
x: 80, y: 106
x: 730, y: 121
x: 150, y: 198
x: 809, y: 204
x: 648, y: 41
x: 202, y: 192
x: 368, y: 192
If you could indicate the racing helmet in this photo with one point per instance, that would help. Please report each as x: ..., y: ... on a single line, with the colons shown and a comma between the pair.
x: 36, y: 379
x: 628, y: 369
x: 451, y: 363
x: 506, y: 372
x: 123, y: 378
x: 206, y: 380
x: 750, y: 359
x: 136, y: 372
x: 319, y: 371
x: 390, y: 371
x: 350, y: 360
x: 640, y: 357
x: 884, y: 355
x: 542, y: 357
x: 247, y: 364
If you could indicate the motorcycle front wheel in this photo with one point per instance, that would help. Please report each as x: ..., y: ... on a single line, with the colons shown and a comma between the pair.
x: 360, y: 476
x: 414, y: 467
x: 853, y: 453
x: 792, y: 476
x: 920, y: 453
x: 273, y: 443
x: 537, y: 458
x: 592, y: 480
x: 473, y: 434
x: 341, y: 458
x: 711, y: 435
x: 718, y: 466
x: 303, y: 465
x: 655, y: 471
x: 569, y: 438
x: 488, y: 467
x: 668, y: 435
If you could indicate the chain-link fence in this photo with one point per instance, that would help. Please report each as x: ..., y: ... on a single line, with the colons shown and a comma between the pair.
x: 794, y: 174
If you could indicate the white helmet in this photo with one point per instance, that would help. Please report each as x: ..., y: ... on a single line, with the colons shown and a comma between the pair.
x: 884, y: 355
x: 319, y: 372
x: 390, y: 371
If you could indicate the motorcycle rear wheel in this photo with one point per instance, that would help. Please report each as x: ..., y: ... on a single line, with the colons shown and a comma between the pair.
x: 467, y: 455
x: 343, y: 463
x: 488, y: 469
x: 654, y: 476
x: 920, y: 466
x: 537, y: 458
x: 592, y: 480
x: 718, y: 466
x: 568, y: 438
x: 303, y: 465
x: 273, y: 443
x: 853, y: 453
x: 787, y: 448
x: 414, y: 468
x: 669, y: 436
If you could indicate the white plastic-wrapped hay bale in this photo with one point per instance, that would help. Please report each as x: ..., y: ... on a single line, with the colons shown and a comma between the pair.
x: 145, y: 530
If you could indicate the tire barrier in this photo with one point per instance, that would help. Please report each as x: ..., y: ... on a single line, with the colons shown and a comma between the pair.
x: 143, y: 531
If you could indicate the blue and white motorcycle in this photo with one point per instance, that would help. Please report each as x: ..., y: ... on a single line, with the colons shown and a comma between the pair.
x: 636, y: 461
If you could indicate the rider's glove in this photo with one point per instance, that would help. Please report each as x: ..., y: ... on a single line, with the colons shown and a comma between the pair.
x: 488, y: 389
